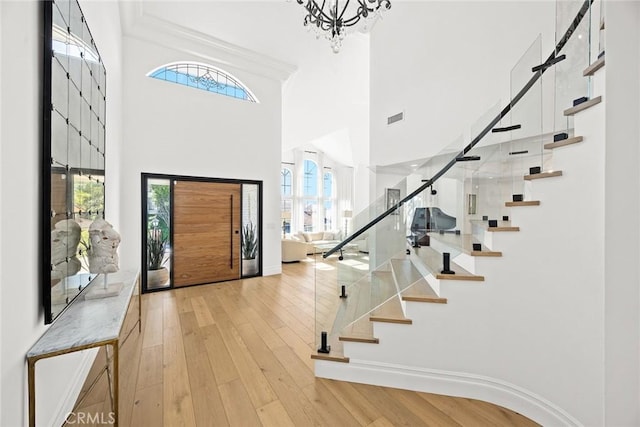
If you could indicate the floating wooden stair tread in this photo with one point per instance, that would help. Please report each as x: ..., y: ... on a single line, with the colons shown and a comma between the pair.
x: 580, y: 107
x: 462, y: 242
x: 402, y: 320
x: 542, y: 175
x: 359, y: 331
x: 523, y: 203
x: 496, y: 254
x: 424, y: 298
x: 405, y: 273
x: 391, y: 309
x: 367, y: 340
x: 422, y: 292
x: 460, y: 276
x: 503, y: 229
x: 602, y: 24
x: 591, y: 69
x: 433, y: 261
x: 330, y: 357
x: 390, y: 312
x: 568, y: 141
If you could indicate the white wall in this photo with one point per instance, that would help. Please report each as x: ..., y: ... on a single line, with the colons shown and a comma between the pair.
x: 1, y: 208
x: 172, y: 129
x: 326, y: 102
x: 21, y: 319
x: 445, y: 64
x: 622, y: 210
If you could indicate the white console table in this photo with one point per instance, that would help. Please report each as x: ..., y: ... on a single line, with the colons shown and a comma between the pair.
x: 89, y: 323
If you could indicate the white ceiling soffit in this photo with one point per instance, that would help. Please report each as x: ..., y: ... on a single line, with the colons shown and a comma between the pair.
x: 137, y: 24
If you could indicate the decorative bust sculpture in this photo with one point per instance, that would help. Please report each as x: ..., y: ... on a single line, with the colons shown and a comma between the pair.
x: 64, y: 246
x: 103, y: 256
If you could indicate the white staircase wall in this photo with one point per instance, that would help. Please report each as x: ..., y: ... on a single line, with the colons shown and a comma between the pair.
x: 531, y: 337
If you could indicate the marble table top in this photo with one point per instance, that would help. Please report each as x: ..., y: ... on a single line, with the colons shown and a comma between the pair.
x: 88, y: 321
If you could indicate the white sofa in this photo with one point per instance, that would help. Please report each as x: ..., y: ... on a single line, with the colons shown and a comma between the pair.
x: 313, y: 239
x: 293, y: 250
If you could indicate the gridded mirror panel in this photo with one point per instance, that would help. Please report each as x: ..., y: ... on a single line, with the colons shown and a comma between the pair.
x: 85, y: 120
x: 94, y: 133
x: 59, y: 132
x: 75, y: 103
x: 74, y: 148
x: 86, y: 82
x: 61, y: 15
x: 60, y: 93
x: 101, y: 139
x: 102, y: 81
x: 101, y: 162
x: 73, y: 152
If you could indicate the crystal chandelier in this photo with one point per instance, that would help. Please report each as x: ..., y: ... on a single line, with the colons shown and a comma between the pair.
x: 334, y: 16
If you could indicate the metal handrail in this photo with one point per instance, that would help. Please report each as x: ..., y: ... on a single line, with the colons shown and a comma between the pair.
x: 539, y: 70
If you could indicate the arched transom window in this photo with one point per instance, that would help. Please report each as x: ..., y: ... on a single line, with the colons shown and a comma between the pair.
x: 204, y: 77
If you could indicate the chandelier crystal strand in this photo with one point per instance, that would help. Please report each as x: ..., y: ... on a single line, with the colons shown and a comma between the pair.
x: 333, y: 17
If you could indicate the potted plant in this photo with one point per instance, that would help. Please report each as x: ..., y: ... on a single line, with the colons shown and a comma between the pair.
x: 249, y: 249
x: 157, y: 274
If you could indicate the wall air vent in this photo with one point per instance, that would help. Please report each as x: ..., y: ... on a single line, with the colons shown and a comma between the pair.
x: 395, y: 118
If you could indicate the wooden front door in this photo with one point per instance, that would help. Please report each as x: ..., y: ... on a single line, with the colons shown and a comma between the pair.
x: 206, y: 232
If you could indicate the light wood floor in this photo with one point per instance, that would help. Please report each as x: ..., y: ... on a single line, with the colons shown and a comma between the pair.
x: 238, y: 354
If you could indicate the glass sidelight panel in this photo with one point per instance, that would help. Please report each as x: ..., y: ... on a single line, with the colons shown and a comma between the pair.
x: 158, y: 242
x: 251, y: 232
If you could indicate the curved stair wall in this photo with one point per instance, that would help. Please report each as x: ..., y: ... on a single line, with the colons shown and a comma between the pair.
x: 529, y: 337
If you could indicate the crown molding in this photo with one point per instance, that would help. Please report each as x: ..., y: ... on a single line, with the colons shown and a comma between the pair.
x: 140, y: 25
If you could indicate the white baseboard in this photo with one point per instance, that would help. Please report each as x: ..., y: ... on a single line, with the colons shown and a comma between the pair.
x: 76, y: 382
x: 271, y: 270
x: 448, y: 383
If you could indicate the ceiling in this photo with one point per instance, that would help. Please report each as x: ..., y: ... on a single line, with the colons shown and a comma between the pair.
x: 270, y: 27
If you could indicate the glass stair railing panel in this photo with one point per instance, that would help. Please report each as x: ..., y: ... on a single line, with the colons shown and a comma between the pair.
x: 527, y: 140
x: 351, y: 283
x: 570, y: 84
x: 440, y: 211
x: 371, y: 249
x: 483, y: 184
x: 332, y: 310
x: 598, y: 27
x: 388, y: 225
x: 490, y: 138
x: 490, y: 188
x: 410, y: 176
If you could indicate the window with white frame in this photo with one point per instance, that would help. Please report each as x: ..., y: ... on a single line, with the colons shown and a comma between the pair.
x: 310, y: 195
x: 328, y: 200
x: 309, y: 201
x: 286, y: 199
